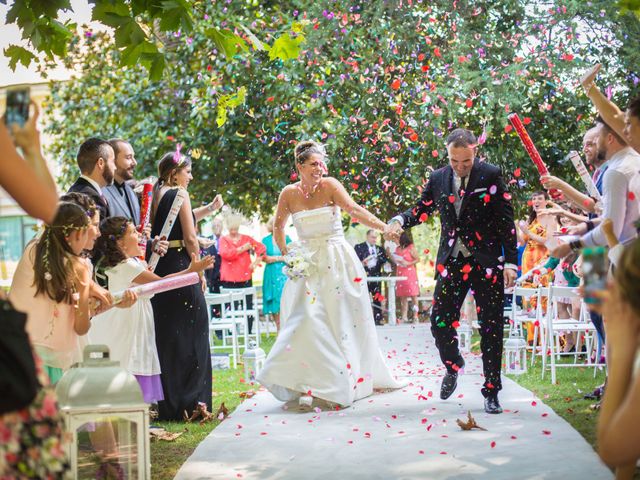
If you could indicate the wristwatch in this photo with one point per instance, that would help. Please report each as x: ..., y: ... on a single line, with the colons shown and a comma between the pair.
x: 576, y: 245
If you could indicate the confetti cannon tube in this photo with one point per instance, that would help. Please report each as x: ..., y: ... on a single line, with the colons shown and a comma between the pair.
x: 584, y: 175
x: 160, y: 286
x: 532, y: 150
x: 145, y: 214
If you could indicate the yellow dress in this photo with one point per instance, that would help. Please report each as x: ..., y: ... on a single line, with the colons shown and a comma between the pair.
x: 534, y: 253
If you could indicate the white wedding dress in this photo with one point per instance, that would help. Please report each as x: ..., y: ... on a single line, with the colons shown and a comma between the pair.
x: 327, y: 346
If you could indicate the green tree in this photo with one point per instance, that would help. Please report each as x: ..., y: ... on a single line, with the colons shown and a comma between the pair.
x: 381, y: 83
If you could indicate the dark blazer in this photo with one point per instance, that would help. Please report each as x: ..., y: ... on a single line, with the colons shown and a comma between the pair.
x: 82, y: 186
x: 213, y: 274
x: 118, y: 205
x: 362, y: 250
x: 485, y: 226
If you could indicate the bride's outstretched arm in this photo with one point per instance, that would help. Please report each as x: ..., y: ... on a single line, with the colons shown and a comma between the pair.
x: 342, y: 199
x: 279, y: 222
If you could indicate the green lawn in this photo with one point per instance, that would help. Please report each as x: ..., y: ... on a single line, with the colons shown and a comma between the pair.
x: 167, y: 457
x: 566, y: 397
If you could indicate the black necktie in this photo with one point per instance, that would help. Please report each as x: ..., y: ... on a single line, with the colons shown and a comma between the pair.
x: 463, y: 185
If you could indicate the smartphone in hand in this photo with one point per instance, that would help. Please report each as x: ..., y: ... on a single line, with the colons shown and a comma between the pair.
x: 17, y: 112
x: 595, y: 265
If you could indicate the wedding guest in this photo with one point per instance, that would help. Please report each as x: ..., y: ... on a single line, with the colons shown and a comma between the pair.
x: 373, y: 259
x: 122, y: 200
x: 619, y: 421
x: 273, y: 278
x: 627, y: 123
x: 34, y: 423
x: 21, y: 175
x: 96, y: 161
x: 236, y: 250
x: 55, y: 292
x: 406, y: 259
x: 181, y: 320
x: 213, y: 274
x: 535, y: 234
x: 621, y: 190
x: 593, y: 159
x: 129, y: 333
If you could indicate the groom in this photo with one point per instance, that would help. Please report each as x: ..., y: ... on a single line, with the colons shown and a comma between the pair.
x: 477, y: 251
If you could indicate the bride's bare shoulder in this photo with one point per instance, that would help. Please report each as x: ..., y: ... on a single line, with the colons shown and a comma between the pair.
x: 289, y: 189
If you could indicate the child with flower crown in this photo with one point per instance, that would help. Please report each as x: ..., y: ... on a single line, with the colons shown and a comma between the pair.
x: 53, y: 286
x: 130, y: 332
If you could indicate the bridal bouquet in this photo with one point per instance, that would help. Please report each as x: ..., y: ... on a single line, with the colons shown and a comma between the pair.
x: 299, y: 261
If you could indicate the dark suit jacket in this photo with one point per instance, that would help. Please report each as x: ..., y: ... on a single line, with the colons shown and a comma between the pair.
x: 213, y: 274
x: 485, y: 227
x: 82, y: 186
x: 118, y: 205
x: 362, y: 250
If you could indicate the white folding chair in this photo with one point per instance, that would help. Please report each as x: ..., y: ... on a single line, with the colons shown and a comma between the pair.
x: 241, y: 295
x: 554, y: 327
x: 225, y: 322
x: 516, y: 314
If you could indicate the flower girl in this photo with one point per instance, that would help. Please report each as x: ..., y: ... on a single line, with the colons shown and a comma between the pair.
x: 130, y: 333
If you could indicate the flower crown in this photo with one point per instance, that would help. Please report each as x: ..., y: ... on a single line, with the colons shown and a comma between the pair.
x: 66, y: 229
x: 123, y: 229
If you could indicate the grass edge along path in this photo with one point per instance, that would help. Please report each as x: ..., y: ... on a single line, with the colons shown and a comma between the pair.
x: 168, y: 457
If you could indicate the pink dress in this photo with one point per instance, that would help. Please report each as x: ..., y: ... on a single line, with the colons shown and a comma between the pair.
x: 408, y: 287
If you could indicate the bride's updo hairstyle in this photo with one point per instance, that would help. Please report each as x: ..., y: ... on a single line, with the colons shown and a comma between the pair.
x: 305, y: 149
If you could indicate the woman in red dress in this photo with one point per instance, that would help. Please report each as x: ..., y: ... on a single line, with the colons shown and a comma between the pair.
x: 405, y: 258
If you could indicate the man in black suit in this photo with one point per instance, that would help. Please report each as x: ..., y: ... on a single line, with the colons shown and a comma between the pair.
x: 477, y: 250
x: 96, y: 161
x: 373, y: 259
x: 213, y: 274
x: 122, y: 200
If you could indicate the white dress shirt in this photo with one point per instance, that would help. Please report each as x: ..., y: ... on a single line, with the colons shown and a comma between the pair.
x: 93, y: 183
x: 620, y: 198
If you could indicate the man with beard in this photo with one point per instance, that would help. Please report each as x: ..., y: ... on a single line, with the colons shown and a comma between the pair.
x: 619, y: 192
x: 96, y: 161
x: 122, y: 200
x: 582, y: 201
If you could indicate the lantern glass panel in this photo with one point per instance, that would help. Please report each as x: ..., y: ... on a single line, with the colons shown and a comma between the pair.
x: 107, y: 449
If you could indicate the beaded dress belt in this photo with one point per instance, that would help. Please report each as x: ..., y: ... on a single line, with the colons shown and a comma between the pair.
x: 176, y: 244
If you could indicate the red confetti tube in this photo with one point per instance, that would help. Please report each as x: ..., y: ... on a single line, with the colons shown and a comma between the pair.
x: 532, y: 150
x: 145, y: 214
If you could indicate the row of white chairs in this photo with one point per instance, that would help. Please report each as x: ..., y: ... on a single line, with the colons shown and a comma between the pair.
x: 549, y: 327
x: 232, y: 319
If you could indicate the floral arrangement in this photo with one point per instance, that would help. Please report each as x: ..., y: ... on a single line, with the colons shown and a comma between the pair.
x: 299, y: 261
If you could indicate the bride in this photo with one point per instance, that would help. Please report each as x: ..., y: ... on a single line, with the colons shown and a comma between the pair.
x: 327, y: 347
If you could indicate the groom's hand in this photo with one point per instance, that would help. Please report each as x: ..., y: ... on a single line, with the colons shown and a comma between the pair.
x: 509, y: 277
x: 392, y: 231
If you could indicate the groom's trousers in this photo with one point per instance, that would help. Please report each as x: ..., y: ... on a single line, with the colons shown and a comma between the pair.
x: 487, y: 288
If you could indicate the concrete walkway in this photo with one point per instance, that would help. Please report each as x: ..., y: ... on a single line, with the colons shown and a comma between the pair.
x: 406, y: 434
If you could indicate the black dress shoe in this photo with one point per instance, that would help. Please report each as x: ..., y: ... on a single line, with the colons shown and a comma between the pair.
x: 491, y: 404
x: 449, y: 384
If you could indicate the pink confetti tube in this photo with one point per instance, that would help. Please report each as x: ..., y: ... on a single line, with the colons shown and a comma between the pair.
x: 532, y: 150
x: 160, y: 286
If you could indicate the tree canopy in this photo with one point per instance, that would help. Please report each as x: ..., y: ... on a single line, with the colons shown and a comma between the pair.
x: 380, y: 83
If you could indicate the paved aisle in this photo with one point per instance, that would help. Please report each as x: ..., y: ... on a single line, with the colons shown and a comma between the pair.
x: 406, y: 434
